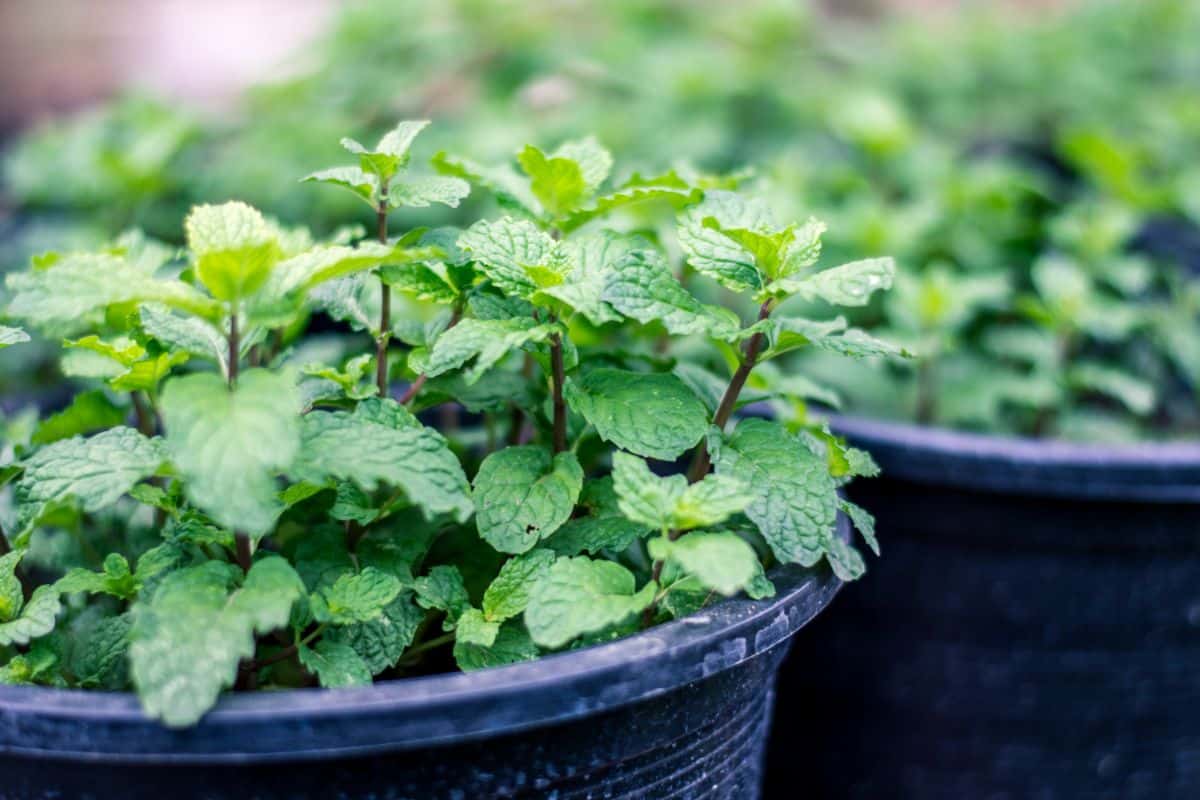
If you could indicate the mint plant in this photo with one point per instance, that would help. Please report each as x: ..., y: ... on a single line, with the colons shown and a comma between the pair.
x: 232, y: 504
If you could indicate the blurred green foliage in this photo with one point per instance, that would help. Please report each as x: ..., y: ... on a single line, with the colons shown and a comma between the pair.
x: 1035, y: 176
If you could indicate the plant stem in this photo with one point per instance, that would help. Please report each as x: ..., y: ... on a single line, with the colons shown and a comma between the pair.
x: 560, y: 406
x: 926, y: 399
x: 411, y: 392
x: 415, y: 650
x: 701, y: 461
x: 234, y: 349
x: 245, y: 551
x: 385, y: 306
x: 145, y: 415
x: 286, y: 652
x: 5, y: 547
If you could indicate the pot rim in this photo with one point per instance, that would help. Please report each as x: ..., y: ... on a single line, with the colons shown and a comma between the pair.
x: 1143, y: 471
x: 406, y: 714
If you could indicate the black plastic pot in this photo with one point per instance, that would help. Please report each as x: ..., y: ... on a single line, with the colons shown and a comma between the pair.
x: 1031, y: 631
x: 680, y: 711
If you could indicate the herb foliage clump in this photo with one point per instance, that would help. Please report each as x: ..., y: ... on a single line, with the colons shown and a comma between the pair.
x: 242, y: 499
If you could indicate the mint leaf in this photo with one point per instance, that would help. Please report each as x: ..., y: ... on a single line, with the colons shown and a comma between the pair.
x: 96, y: 471
x: 653, y: 415
x: 187, y: 334
x: 641, y: 286
x: 381, y: 641
x: 233, y: 249
x: 713, y: 253
x: 474, y: 629
x: 848, y: 285
x: 12, y: 596
x: 442, y: 589
x: 592, y: 259
x: 188, y: 638
x: 508, y: 594
x: 380, y: 442
x: 115, y: 580
x: 720, y: 561
x: 424, y: 191
x: 69, y: 292
x: 36, y: 619
x: 556, y: 182
x: 863, y: 521
x: 517, y: 256
x: 670, y: 503
x: 512, y: 645
x: 363, y: 184
x: 313, y: 267
x: 10, y: 336
x: 391, y: 153
x: 580, y: 595
x: 669, y: 188
x: 796, y: 501
x: 230, y: 445
x: 523, y: 494
x: 510, y: 187
x: 483, y: 342
x: 355, y: 598
x: 336, y: 665
x: 1137, y: 395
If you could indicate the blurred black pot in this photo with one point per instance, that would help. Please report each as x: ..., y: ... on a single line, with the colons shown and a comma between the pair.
x: 679, y: 711
x: 1031, y: 631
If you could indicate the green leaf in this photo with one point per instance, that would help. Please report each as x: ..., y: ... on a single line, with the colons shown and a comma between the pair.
x: 443, y: 589
x: 391, y: 153
x: 381, y: 641
x: 848, y: 285
x: 593, y: 260
x: 10, y: 336
x: 670, y: 503
x: 523, y: 494
x: 508, y: 594
x: 653, y: 415
x: 70, y: 291
x: 517, y: 256
x: 229, y: 445
x: 363, y: 184
x: 713, y: 253
x: 474, y: 629
x: 380, y: 442
x: 483, y: 342
x: 88, y: 412
x: 336, y: 665
x: 99, y: 658
x: 189, y: 637
x: 187, y: 334
x: 796, y: 501
x: 556, y: 182
x: 424, y: 191
x: 313, y: 267
x: 96, y: 471
x: 233, y: 247
x: 863, y: 521
x: 579, y: 596
x: 146, y: 375
x: 12, y: 595
x: 510, y: 187
x: 1137, y: 395
x: 115, y: 580
x: 512, y: 645
x: 125, y: 352
x: 721, y: 561
x: 426, y: 282
x: 669, y: 188
x: 37, y: 618
x: 641, y: 286
x: 355, y: 598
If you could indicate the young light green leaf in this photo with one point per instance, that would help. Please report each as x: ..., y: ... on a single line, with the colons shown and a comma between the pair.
x: 712, y: 252
x: 670, y: 503
x: 653, y: 415
x: 188, y: 638
x: 12, y: 594
x: 508, y: 594
x: 233, y: 247
x: 355, y: 597
x: 380, y: 442
x: 796, y: 501
x: 668, y: 188
x: 510, y: 187
x: 363, y: 184
x: 115, y: 580
x: 556, y: 182
x: 523, y: 494
x: 36, y: 619
x: 336, y: 665
x: 722, y: 562
x: 580, y: 595
x: 424, y: 191
x: 474, y: 629
x: 230, y: 445
x: 391, y: 153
